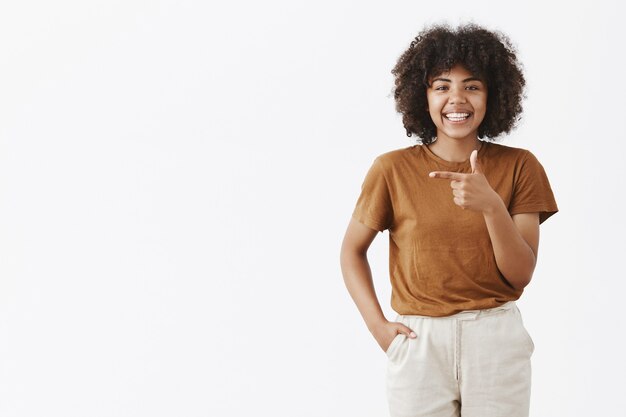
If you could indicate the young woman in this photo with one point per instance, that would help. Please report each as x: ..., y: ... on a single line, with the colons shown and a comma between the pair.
x: 463, y: 217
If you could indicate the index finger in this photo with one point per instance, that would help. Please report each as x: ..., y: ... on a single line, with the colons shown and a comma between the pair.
x: 446, y: 174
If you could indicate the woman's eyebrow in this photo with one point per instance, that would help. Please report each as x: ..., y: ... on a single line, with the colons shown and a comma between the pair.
x: 465, y: 80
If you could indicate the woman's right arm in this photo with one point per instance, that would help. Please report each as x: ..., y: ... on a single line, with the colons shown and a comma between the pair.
x: 357, y: 276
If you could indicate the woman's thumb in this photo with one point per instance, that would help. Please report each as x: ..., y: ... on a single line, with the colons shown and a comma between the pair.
x: 408, y: 332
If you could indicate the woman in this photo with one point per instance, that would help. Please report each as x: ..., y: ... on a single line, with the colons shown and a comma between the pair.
x: 463, y: 216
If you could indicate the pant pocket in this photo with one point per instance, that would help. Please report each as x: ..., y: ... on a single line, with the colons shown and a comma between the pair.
x: 529, y: 340
x: 394, y: 344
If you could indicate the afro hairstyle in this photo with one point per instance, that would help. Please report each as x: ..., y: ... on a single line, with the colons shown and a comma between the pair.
x: 488, y: 55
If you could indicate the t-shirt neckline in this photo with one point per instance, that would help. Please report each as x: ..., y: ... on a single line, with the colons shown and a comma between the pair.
x: 453, y: 164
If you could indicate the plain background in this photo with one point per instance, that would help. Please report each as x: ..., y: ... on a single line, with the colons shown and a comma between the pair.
x: 176, y: 178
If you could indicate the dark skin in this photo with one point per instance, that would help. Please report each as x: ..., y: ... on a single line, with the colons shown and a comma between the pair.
x: 515, y: 239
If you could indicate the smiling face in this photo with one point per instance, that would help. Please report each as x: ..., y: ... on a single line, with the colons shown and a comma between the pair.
x: 457, y: 103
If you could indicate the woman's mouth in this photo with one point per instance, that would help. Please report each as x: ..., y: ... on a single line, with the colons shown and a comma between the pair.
x: 457, y: 118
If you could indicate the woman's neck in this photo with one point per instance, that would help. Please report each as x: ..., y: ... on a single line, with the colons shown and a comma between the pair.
x: 455, y: 150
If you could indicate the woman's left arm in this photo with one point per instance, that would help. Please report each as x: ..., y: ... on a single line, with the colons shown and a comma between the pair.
x: 515, y: 241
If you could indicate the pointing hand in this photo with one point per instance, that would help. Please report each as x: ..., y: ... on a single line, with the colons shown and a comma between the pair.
x: 471, y: 191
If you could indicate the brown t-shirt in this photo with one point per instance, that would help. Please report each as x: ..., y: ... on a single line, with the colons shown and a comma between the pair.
x: 441, y: 260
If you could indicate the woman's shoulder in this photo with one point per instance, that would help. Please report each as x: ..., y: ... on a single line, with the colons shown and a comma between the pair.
x: 508, y: 149
x: 506, y: 152
x: 398, y: 158
x: 398, y: 154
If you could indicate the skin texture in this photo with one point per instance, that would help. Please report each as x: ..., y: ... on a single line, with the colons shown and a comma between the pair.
x: 454, y: 140
x: 515, y: 239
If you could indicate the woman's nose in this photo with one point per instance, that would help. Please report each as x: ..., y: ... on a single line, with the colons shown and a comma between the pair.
x: 457, y: 95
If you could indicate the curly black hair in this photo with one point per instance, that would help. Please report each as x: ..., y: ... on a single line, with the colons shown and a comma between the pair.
x: 488, y: 55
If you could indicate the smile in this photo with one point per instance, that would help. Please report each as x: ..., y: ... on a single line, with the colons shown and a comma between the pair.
x: 457, y: 118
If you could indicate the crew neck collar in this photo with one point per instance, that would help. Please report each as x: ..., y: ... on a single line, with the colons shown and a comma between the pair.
x: 453, y: 164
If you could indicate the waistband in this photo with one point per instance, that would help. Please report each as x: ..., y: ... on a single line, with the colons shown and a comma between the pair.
x: 466, y: 314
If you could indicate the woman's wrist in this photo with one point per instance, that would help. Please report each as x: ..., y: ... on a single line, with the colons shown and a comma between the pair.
x: 495, y: 207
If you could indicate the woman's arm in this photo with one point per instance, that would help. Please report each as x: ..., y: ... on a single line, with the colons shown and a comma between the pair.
x: 515, y: 241
x: 357, y: 276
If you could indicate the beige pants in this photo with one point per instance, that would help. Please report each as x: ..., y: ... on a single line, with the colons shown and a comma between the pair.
x: 475, y: 363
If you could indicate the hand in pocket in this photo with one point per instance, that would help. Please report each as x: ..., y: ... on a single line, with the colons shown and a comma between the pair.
x: 387, y: 332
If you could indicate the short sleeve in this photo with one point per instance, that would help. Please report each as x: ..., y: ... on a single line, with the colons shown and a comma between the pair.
x: 532, y: 192
x: 373, y: 207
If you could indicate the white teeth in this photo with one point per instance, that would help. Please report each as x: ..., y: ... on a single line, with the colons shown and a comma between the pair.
x: 457, y: 117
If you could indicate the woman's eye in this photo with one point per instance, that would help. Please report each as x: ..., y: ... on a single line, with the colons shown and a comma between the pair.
x: 442, y: 87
